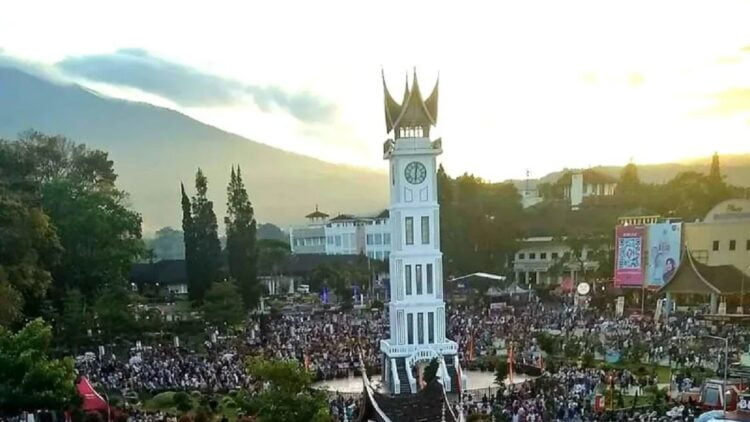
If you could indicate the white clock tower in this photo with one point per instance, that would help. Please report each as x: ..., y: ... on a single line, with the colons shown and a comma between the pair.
x: 416, y: 309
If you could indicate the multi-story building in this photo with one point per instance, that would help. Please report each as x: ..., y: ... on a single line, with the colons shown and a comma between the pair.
x: 547, y: 260
x: 343, y: 235
x: 723, y: 237
x: 578, y: 185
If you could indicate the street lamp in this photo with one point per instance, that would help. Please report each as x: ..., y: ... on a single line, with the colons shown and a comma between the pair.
x: 726, y: 366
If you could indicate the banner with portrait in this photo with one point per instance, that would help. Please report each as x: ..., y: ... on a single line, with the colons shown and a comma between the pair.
x: 629, y: 253
x: 664, y: 240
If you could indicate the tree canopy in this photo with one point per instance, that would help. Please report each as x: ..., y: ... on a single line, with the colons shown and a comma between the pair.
x: 242, y: 251
x: 288, y: 396
x: 29, y: 378
x: 64, y: 224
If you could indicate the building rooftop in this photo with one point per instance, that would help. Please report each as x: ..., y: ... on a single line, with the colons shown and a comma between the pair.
x: 413, y: 110
x: 166, y: 271
x: 428, y: 405
x: 694, y: 277
x: 316, y: 214
x: 590, y: 176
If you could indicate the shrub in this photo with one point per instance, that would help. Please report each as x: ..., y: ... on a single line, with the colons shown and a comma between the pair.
x: 182, y: 401
x: 163, y: 400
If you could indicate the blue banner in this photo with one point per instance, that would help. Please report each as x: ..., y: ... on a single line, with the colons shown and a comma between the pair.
x: 664, y: 244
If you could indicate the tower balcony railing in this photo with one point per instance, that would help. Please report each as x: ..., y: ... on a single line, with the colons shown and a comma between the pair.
x: 448, y: 347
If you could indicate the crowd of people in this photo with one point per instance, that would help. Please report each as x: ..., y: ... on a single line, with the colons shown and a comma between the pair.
x: 330, y: 345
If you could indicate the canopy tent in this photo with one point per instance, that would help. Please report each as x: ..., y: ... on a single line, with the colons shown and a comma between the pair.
x: 92, y: 401
x: 481, y: 275
x: 515, y: 289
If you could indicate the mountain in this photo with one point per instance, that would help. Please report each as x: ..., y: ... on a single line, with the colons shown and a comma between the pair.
x: 155, y: 148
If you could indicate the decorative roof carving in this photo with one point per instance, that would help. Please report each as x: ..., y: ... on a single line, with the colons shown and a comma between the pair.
x: 413, y: 111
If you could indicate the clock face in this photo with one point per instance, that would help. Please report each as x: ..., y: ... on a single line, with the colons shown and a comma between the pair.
x: 415, y: 172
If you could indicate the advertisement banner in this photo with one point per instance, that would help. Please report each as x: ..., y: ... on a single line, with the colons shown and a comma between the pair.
x: 664, y: 240
x: 629, y: 253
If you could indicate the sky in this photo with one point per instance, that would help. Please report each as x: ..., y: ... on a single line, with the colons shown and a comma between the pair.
x: 524, y: 85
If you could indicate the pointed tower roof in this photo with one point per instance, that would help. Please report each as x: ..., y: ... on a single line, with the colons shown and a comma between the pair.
x: 316, y: 214
x: 413, y: 110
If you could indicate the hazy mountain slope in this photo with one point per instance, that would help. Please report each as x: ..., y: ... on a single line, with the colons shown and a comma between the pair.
x: 736, y: 169
x: 155, y: 148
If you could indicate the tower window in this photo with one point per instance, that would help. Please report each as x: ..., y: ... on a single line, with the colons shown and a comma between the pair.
x: 418, y: 278
x: 430, y: 327
x: 732, y: 245
x: 410, y: 328
x: 425, y: 230
x: 407, y: 278
x: 409, y: 226
x: 716, y: 245
x: 428, y: 270
x: 420, y: 327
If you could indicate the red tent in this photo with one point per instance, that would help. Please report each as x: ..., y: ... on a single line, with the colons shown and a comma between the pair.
x: 92, y: 401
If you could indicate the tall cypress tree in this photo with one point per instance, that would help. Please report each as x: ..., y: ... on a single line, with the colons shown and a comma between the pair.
x: 206, y: 240
x: 718, y: 190
x: 714, y: 175
x: 242, y: 251
x: 189, y: 238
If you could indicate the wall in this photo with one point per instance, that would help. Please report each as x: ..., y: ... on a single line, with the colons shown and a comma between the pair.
x: 727, y: 221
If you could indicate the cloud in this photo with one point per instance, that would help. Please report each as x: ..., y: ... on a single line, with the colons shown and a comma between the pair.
x: 190, y: 87
x: 732, y: 101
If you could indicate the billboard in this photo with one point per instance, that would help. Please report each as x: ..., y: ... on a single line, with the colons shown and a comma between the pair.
x: 629, y: 253
x: 664, y: 241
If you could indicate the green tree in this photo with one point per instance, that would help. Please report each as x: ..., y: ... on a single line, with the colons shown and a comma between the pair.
x: 242, y: 251
x: 272, y: 256
x: 288, y: 396
x: 205, y: 238
x: 82, y: 233
x: 548, y: 343
x: 113, y: 312
x: 501, y: 372
x: 29, y: 378
x: 717, y: 187
x: 629, y: 185
x: 222, y: 305
x: 29, y: 245
x: 167, y: 243
x: 100, y: 236
x: 74, y: 319
x: 191, y: 254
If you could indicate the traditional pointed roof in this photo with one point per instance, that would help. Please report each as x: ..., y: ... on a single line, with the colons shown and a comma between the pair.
x: 694, y: 277
x: 413, y: 110
x: 428, y: 405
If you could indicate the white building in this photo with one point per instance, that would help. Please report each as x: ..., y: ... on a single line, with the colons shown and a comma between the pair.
x: 547, y: 260
x: 578, y: 185
x: 417, y: 309
x: 343, y: 235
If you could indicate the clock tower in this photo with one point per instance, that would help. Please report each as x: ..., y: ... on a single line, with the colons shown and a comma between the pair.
x: 416, y: 308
